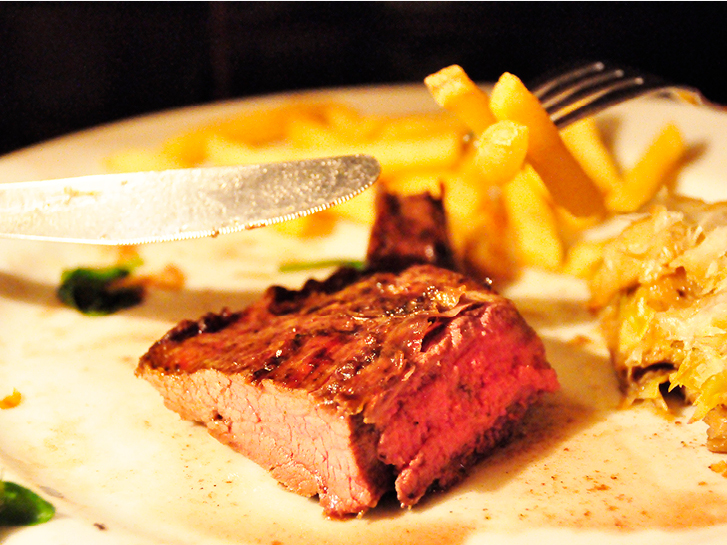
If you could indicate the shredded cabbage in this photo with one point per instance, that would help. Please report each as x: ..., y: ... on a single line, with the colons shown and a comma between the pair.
x: 663, y: 289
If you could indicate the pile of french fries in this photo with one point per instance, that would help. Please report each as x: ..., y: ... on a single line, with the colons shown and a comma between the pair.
x: 518, y: 192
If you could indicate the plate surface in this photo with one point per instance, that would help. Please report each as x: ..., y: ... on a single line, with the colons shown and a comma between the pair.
x: 123, y: 469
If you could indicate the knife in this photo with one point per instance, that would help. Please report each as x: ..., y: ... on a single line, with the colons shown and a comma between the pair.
x: 142, y: 207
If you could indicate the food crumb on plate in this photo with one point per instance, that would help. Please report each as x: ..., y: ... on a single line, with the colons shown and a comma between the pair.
x: 11, y: 400
x: 719, y: 467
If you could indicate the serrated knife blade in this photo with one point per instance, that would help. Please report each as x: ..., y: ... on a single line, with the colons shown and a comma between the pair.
x: 144, y: 207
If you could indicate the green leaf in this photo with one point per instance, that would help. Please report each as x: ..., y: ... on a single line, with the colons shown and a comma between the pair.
x: 22, y: 507
x: 93, y: 291
x: 296, y: 266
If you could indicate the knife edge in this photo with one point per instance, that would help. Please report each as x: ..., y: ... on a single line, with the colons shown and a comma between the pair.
x: 180, y: 204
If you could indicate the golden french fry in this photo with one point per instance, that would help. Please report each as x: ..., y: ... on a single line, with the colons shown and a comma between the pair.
x: 462, y: 199
x: 571, y: 227
x: 246, y: 134
x: 262, y: 127
x: 419, y: 126
x: 222, y: 151
x: 360, y: 208
x: 501, y: 151
x: 583, y: 140
x: 566, y: 181
x: 338, y: 115
x: 643, y: 181
x: 350, y: 124
x: 309, y: 133
x: 412, y: 182
x: 454, y: 91
x: 487, y: 249
x: 436, y: 151
x: 313, y: 225
x: 462, y: 196
x: 532, y: 221
x: 583, y: 258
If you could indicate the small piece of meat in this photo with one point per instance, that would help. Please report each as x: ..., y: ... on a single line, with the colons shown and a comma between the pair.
x: 358, y: 384
x: 409, y: 230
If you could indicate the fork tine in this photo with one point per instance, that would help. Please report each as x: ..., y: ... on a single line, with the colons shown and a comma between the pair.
x: 621, y: 92
x: 563, y: 96
x: 555, y: 81
x: 571, y: 110
x: 591, y: 87
x: 588, y: 92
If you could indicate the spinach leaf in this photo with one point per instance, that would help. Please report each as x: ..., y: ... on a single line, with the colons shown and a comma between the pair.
x: 97, y: 291
x: 22, y: 507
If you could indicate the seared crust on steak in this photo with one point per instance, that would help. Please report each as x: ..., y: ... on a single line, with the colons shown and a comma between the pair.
x: 409, y: 230
x: 364, y: 380
x: 340, y: 347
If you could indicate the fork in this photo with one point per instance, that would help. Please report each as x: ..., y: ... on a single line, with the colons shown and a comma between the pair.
x: 589, y: 88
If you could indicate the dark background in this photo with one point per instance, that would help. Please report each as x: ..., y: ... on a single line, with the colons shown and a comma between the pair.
x: 67, y: 66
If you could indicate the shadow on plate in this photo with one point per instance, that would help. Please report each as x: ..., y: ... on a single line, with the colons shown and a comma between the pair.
x: 25, y: 290
x: 174, y: 306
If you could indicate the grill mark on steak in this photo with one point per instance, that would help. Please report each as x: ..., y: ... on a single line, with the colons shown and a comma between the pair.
x: 209, y: 323
x: 362, y: 382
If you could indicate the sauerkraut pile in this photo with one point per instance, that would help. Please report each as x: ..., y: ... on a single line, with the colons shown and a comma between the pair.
x: 662, y: 293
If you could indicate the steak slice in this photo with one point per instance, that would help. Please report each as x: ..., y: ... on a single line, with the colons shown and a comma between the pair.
x: 358, y: 384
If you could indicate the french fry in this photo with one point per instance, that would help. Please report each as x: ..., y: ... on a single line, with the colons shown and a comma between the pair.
x: 416, y: 181
x: 532, y: 221
x: 224, y: 152
x: 186, y: 150
x: 643, y: 181
x: 566, y: 181
x: 312, y: 225
x: 419, y: 126
x: 350, y: 124
x: 454, y: 91
x: 501, y: 151
x: 583, y: 140
x: 307, y: 133
x: 487, y: 249
x: 462, y: 197
x: 583, y: 258
x: 435, y: 151
x: 571, y: 227
x: 340, y: 115
x: 263, y: 127
x: 359, y: 209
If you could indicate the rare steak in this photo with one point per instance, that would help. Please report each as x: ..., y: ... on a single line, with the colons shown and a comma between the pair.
x: 365, y: 382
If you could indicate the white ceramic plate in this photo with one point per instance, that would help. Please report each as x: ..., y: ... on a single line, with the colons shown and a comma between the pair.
x: 122, y: 469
